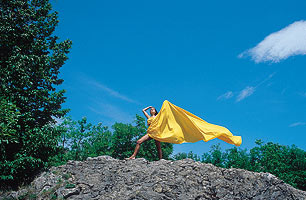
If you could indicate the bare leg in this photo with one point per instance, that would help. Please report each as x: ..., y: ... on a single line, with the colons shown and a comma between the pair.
x: 159, y: 150
x: 139, y: 142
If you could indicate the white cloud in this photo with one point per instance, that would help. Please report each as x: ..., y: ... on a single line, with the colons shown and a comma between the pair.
x: 246, y: 92
x: 297, y: 124
x: 289, y: 41
x: 112, y: 92
x: 284, y: 90
x: 226, y: 95
x: 265, y: 80
x: 112, y: 112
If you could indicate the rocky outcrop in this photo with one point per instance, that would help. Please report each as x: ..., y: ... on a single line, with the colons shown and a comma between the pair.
x: 107, y: 178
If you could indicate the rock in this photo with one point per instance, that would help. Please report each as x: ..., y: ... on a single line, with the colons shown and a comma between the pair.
x: 22, y: 192
x: 69, y: 192
x: 104, y: 177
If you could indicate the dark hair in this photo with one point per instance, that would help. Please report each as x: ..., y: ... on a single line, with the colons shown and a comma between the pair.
x: 155, y: 110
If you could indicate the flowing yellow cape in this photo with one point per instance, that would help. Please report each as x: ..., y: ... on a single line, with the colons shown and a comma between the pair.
x: 176, y: 125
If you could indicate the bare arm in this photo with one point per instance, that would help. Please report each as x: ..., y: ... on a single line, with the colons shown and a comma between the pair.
x: 145, y: 113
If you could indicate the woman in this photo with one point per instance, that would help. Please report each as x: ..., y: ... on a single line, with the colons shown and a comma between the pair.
x: 146, y: 137
x: 176, y: 125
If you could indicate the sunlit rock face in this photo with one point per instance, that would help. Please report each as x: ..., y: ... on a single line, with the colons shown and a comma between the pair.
x: 106, y: 178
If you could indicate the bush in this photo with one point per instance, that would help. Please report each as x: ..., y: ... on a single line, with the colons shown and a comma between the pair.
x: 285, y: 162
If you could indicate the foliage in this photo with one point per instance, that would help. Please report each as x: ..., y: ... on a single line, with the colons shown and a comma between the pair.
x: 30, y: 59
x: 180, y: 156
x: 183, y: 155
x: 79, y: 140
x: 215, y: 156
x: 236, y: 158
x: 8, y: 134
x: 287, y: 163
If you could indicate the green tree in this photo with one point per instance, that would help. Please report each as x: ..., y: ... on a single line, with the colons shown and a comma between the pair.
x: 99, y: 142
x: 30, y: 59
x: 79, y: 140
x: 215, y: 156
x: 123, y: 138
x: 180, y: 156
x: 190, y: 154
x: 193, y: 156
x: 8, y: 134
x: 237, y: 158
x: 285, y: 162
x: 78, y: 136
x: 8, y: 123
x: 297, y: 159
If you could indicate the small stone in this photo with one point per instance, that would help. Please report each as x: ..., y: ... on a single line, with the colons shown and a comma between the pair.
x: 158, y: 188
x: 69, y: 192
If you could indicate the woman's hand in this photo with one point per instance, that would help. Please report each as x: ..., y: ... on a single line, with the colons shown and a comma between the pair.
x: 148, y: 107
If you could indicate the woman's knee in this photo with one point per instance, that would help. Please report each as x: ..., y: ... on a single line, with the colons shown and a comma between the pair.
x: 143, y: 139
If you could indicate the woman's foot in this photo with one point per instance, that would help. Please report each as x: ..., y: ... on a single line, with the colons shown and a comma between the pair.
x: 130, y: 158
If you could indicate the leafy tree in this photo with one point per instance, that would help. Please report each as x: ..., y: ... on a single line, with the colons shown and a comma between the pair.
x: 79, y: 135
x: 123, y: 138
x: 193, y: 156
x: 215, y: 156
x: 287, y: 163
x: 99, y: 143
x: 237, y: 158
x: 8, y: 134
x: 297, y: 159
x: 79, y: 140
x: 180, y: 156
x: 30, y: 59
x: 8, y: 123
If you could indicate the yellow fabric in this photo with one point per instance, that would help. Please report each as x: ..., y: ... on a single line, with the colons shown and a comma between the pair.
x: 176, y: 125
x: 149, y: 121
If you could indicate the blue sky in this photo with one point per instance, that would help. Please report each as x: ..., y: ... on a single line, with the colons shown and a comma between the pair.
x: 238, y: 64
